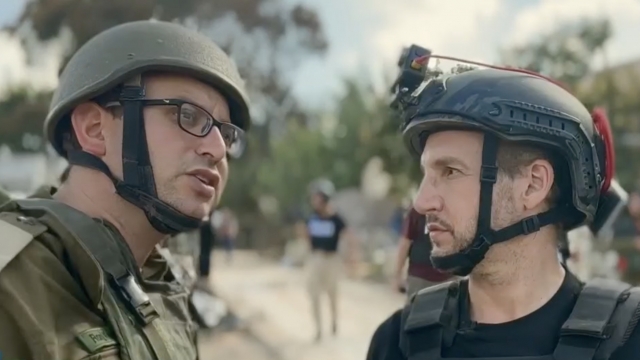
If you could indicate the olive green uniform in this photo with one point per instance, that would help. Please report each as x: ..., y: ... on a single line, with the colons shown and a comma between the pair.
x: 56, y: 301
x: 69, y: 287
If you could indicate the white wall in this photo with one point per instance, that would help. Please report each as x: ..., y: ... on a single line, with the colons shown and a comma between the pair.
x: 24, y: 172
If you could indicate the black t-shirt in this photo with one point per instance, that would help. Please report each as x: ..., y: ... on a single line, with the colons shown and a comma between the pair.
x: 325, y: 231
x: 535, y: 334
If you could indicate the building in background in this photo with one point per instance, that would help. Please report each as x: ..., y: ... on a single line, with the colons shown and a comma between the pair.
x: 23, y: 173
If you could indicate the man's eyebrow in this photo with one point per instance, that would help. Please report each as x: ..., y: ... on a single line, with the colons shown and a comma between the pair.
x: 184, y: 96
x: 446, y: 161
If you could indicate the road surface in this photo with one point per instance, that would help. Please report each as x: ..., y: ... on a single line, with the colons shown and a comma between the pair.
x: 234, y: 345
x: 273, y: 301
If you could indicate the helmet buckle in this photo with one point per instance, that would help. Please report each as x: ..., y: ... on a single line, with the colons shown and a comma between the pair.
x: 530, y: 224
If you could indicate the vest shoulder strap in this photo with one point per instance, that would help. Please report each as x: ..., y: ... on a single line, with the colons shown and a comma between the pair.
x: 84, y: 229
x: 16, y: 232
x: 99, y: 243
x: 426, y: 306
x: 602, y: 320
x: 430, y: 310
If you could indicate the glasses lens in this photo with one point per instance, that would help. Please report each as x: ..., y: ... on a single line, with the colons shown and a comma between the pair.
x: 232, y: 135
x: 195, y: 120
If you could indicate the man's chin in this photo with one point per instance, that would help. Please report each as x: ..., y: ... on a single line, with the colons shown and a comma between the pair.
x: 442, y: 252
x: 194, y: 210
x: 198, y: 213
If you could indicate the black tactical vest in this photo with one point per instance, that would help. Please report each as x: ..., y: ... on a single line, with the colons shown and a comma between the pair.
x: 602, y: 320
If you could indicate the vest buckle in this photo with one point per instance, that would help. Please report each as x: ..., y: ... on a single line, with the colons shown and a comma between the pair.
x: 138, y: 301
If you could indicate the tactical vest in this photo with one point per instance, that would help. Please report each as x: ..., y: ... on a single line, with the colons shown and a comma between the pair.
x: 139, y: 321
x: 602, y: 320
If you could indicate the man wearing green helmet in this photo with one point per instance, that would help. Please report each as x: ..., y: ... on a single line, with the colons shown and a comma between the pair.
x: 145, y: 113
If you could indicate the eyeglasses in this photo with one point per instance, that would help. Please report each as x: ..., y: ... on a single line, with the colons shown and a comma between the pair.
x: 196, y: 121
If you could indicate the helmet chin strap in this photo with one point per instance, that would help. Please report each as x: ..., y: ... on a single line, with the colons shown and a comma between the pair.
x: 463, y: 262
x: 138, y: 186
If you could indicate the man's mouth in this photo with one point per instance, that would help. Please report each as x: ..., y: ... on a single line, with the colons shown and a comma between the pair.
x: 436, y: 228
x: 203, y: 180
x: 207, y: 177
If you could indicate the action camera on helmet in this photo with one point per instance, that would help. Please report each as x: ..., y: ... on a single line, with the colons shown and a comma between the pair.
x: 411, y: 75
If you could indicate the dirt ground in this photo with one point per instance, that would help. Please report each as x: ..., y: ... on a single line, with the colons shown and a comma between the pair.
x: 236, y: 345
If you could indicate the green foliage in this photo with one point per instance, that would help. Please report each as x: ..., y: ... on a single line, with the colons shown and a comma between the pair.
x: 85, y: 19
x: 337, y: 147
x: 566, y: 54
x: 22, y: 112
x: 336, y: 144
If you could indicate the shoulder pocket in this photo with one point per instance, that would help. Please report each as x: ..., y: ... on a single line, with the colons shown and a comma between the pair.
x: 16, y: 232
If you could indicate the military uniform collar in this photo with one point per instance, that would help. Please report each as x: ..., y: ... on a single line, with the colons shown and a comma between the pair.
x: 91, y: 275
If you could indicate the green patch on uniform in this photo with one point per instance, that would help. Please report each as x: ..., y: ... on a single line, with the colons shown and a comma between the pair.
x: 96, y: 339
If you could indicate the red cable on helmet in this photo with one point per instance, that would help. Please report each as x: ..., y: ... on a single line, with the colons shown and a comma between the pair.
x: 600, y: 120
x: 603, y: 127
x: 423, y: 59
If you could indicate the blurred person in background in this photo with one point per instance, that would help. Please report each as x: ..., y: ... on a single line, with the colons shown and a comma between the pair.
x: 415, y: 246
x: 325, y: 229
x: 634, y: 211
x: 226, y: 225
x: 207, y: 239
x: 145, y: 126
x: 396, y: 223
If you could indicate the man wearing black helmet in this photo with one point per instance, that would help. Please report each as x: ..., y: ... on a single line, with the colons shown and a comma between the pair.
x: 510, y: 160
x: 145, y: 113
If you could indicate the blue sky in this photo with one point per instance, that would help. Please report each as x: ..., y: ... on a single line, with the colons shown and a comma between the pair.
x: 365, y: 36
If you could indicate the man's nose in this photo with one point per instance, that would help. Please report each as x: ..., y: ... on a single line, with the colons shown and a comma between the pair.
x: 427, y: 199
x: 213, y: 145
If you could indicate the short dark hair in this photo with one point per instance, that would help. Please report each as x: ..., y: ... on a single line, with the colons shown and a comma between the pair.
x: 514, y: 156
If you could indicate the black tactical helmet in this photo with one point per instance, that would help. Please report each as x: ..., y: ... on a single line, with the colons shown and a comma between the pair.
x: 514, y: 105
x: 112, y: 63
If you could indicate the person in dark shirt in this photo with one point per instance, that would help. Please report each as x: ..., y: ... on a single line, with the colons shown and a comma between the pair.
x: 510, y: 160
x: 415, y: 246
x: 325, y: 228
x: 207, y: 242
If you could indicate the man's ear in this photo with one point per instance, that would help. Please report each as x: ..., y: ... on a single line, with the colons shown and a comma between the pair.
x: 539, y: 177
x: 87, y: 123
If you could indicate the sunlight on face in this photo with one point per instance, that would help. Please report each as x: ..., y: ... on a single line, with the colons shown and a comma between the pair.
x: 190, y: 172
x: 449, y: 193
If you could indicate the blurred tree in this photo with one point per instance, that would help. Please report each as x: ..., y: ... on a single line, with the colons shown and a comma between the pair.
x: 338, y: 147
x: 266, y: 38
x: 568, y: 54
x: 267, y: 23
x: 22, y: 112
x: 299, y: 156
